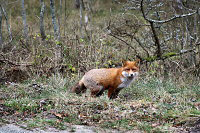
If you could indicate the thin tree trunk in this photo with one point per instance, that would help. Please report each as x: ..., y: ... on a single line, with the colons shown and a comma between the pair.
x: 60, y: 16
x: 77, y: 3
x: 56, y: 29
x: 1, y: 40
x: 198, y: 18
x: 7, y: 23
x: 157, y: 42
x: 81, y: 19
x: 24, y: 20
x: 155, y: 36
x: 195, y: 37
x: 56, y: 35
x: 42, y: 30
x: 65, y: 18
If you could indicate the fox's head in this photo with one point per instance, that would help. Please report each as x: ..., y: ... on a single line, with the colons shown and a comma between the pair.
x: 130, y: 69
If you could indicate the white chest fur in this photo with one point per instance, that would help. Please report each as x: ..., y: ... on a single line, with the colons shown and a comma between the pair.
x: 125, y: 82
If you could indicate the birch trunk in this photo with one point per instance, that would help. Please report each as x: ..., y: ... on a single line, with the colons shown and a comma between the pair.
x: 1, y: 40
x: 42, y: 30
x: 60, y: 16
x: 56, y: 29
x: 56, y: 35
x: 65, y: 18
x: 195, y: 37
x: 81, y: 19
x: 24, y: 20
x: 7, y: 23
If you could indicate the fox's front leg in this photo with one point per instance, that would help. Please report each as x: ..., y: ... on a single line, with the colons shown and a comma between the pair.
x: 110, y: 92
x: 113, y: 93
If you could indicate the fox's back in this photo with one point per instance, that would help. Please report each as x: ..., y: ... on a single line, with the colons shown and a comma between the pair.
x: 101, y: 76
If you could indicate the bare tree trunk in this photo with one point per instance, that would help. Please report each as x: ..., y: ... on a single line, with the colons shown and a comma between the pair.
x: 156, y: 39
x: 42, y: 30
x: 78, y: 4
x: 65, y: 18
x: 195, y: 37
x: 56, y: 35
x: 1, y: 40
x: 56, y: 29
x: 60, y: 16
x: 198, y: 14
x: 24, y: 20
x: 7, y: 23
x: 81, y: 19
x: 157, y: 42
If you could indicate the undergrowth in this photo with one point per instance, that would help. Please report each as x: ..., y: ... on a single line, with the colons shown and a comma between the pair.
x: 150, y: 104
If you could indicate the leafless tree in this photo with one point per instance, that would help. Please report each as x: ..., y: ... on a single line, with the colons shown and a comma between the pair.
x: 60, y: 16
x: 65, y: 18
x: 24, y: 19
x: 1, y: 40
x: 42, y: 30
x: 56, y: 28
x: 170, y: 29
x: 7, y: 23
x: 78, y: 4
x: 81, y: 18
x: 56, y: 35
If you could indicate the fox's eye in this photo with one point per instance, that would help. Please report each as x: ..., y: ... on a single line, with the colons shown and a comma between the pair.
x: 127, y: 69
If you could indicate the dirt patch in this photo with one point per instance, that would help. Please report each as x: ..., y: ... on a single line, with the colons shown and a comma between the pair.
x: 11, y: 128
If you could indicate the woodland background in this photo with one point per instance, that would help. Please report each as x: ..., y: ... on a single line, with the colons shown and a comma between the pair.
x: 47, y: 45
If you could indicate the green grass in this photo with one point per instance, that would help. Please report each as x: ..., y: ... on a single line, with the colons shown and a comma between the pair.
x: 148, y: 104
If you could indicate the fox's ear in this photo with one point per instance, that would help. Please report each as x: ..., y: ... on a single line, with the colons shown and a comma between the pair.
x: 124, y: 62
x: 137, y: 61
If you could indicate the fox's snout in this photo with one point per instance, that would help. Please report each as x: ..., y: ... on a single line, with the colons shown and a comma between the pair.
x: 130, y: 74
x: 133, y: 74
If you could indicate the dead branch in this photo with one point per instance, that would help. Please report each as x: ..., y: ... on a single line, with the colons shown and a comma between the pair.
x: 167, y: 20
x: 164, y: 57
x: 157, y: 42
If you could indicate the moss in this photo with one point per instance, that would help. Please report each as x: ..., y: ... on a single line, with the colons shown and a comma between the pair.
x: 151, y: 58
x: 166, y: 55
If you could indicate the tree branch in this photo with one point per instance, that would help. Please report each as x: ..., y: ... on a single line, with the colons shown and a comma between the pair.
x: 157, y: 42
x: 165, y: 21
x: 167, y: 55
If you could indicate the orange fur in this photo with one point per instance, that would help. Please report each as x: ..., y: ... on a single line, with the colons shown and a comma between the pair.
x: 111, y: 79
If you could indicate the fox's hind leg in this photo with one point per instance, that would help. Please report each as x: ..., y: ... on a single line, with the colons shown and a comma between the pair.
x: 97, y: 90
x: 100, y: 92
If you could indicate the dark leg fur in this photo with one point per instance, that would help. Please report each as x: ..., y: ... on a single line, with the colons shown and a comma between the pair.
x: 115, y: 94
x: 79, y: 89
x: 100, y: 92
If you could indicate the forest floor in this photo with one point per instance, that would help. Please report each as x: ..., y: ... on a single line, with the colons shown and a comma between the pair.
x: 149, y: 105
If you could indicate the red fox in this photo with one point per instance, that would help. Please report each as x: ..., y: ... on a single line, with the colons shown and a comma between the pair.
x: 111, y: 79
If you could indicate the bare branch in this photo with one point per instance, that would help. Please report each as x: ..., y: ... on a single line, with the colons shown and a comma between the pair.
x: 167, y: 20
x: 123, y: 42
x: 157, y: 42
